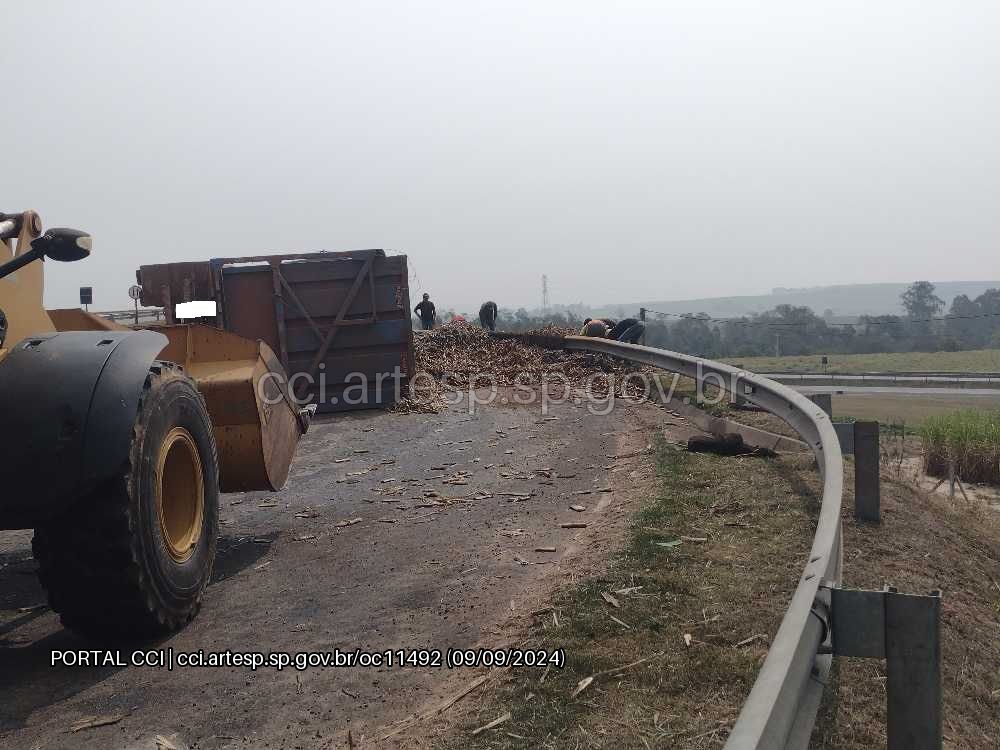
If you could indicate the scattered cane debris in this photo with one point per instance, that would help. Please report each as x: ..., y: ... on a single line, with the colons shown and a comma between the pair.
x: 163, y: 743
x: 587, y: 681
x: 495, y: 723
x: 465, y: 356
x: 621, y: 622
x: 751, y: 639
x: 91, y: 722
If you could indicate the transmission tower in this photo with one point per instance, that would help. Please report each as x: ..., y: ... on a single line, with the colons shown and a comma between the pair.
x: 545, y: 293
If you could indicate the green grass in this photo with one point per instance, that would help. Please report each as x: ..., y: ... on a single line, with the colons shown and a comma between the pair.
x: 714, y: 555
x: 969, y: 438
x: 978, y: 360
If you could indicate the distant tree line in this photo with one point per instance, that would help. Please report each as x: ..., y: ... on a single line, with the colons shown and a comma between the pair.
x: 792, y: 330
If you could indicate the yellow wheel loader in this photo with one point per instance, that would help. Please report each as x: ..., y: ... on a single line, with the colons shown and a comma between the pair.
x: 115, y: 443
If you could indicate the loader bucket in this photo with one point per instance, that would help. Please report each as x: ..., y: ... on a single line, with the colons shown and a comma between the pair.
x: 256, y: 421
x: 75, y: 319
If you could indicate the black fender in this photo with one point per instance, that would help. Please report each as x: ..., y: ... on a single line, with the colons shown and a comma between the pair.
x: 68, y: 403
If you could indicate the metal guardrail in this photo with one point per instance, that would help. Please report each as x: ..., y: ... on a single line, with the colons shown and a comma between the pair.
x: 145, y: 314
x: 886, y: 373
x: 781, y: 709
x: 906, y: 378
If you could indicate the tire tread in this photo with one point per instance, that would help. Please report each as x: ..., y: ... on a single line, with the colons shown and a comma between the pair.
x: 90, y: 559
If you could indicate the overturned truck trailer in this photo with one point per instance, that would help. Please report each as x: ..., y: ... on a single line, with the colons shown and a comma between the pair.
x: 338, y: 321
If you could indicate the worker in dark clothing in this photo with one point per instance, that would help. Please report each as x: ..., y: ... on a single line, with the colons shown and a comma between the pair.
x: 426, y: 312
x: 628, y: 330
x: 488, y: 315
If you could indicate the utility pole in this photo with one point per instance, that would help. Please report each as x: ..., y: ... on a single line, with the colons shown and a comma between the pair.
x: 642, y: 317
x: 545, y: 293
x: 777, y: 345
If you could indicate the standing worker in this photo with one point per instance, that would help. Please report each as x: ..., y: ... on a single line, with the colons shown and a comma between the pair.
x: 488, y: 315
x: 426, y: 312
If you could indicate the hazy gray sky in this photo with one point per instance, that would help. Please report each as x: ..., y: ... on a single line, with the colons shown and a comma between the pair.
x: 628, y: 150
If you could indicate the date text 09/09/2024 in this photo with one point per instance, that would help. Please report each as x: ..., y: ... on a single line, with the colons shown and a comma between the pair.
x: 422, y: 657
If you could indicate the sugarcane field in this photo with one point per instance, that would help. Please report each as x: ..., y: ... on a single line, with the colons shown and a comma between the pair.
x: 500, y: 376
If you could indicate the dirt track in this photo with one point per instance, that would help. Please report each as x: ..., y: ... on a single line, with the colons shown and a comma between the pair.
x: 411, y: 574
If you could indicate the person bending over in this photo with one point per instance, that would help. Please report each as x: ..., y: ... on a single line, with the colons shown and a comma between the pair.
x: 628, y: 330
x: 595, y: 328
x: 488, y: 315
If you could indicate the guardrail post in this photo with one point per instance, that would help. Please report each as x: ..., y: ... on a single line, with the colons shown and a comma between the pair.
x: 905, y: 630
x: 913, y: 671
x: 845, y: 434
x: 867, y: 498
x: 824, y: 401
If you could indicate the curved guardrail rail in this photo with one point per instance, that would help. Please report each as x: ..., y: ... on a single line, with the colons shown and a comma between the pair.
x: 957, y: 379
x: 781, y: 709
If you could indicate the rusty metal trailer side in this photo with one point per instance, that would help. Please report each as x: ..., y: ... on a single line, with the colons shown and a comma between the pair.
x: 339, y: 322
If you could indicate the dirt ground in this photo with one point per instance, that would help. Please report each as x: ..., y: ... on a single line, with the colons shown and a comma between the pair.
x: 441, y: 557
x: 424, y: 531
x: 663, y: 645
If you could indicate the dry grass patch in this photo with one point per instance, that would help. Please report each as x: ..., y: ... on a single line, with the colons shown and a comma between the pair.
x: 925, y: 543
x: 700, y: 589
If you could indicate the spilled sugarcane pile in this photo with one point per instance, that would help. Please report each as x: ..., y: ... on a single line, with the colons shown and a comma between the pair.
x: 462, y: 356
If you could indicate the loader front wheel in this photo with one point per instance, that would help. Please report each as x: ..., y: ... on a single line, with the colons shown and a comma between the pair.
x: 133, y: 557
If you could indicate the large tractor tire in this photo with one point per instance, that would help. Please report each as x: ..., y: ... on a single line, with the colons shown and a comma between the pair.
x: 133, y: 557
